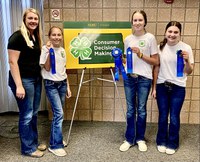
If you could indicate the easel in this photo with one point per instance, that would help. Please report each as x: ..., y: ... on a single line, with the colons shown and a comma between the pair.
x: 79, y: 88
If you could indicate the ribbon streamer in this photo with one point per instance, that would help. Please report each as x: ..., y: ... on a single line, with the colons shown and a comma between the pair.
x: 180, y: 64
x: 129, y: 60
x: 52, y: 61
x: 117, y: 55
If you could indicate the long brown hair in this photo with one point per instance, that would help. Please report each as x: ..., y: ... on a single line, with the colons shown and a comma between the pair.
x: 171, y: 23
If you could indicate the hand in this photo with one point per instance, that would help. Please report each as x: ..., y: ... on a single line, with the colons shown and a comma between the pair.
x: 69, y: 93
x: 20, y: 92
x: 153, y: 93
x: 136, y: 50
x: 49, y: 45
x: 185, y: 56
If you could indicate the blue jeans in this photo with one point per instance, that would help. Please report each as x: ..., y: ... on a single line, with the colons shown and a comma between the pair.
x: 56, y: 93
x: 136, y: 90
x: 170, y: 98
x: 28, y: 110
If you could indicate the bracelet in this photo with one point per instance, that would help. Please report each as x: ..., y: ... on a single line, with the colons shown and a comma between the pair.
x: 141, y: 55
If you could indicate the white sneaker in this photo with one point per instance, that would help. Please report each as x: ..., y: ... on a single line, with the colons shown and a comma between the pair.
x: 170, y: 151
x: 161, y: 148
x: 142, y: 145
x: 42, y: 147
x: 125, y: 146
x: 58, y: 152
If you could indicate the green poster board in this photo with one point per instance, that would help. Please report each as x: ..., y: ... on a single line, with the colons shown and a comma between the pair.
x: 90, y: 44
x: 101, y: 47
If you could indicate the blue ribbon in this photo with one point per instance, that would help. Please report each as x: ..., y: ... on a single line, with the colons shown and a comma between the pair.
x: 52, y: 61
x: 129, y: 56
x: 117, y: 54
x: 180, y: 64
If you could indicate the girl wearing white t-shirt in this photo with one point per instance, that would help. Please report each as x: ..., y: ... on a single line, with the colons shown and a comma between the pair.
x: 138, y: 85
x: 56, y: 86
x: 170, y: 88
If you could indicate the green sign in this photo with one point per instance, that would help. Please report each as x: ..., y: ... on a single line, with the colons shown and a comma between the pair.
x: 90, y: 44
x: 96, y: 48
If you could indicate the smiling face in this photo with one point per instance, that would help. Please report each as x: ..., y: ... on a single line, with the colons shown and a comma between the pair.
x: 31, y: 21
x: 172, y: 35
x: 138, y: 22
x: 55, y: 36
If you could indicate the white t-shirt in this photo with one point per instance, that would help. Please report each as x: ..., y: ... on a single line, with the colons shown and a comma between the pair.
x: 168, y: 63
x: 148, y: 46
x: 60, y: 57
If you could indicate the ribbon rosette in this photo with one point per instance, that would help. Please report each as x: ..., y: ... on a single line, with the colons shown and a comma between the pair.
x: 52, y: 61
x: 117, y: 55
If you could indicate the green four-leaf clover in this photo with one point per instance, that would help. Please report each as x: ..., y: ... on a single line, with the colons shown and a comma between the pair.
x: 80, y: 47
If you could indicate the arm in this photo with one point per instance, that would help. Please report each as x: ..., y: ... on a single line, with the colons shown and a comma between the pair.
x: 69, y: 94
x: 45, y: 58
x: 188, y: 66
x: 155, y: 77
x: 14, y: 69
x: 152, y: 60
x: 47, y: 64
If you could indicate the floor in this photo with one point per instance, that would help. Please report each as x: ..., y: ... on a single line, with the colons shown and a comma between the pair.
x: 96, y: 142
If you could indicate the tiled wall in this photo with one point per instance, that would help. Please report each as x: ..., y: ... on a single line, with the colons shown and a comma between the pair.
x: 98, y: 100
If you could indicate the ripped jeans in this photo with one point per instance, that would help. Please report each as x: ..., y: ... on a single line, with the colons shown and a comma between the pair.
x: 56, y: 92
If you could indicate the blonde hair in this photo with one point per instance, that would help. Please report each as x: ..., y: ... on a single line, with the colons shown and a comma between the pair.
x: 25, y: 32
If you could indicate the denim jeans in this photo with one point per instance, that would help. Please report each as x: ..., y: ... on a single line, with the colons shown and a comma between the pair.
x: 56, y: 93
x: 136, y: 91
x: 170, y: 99
x: 28, y: 110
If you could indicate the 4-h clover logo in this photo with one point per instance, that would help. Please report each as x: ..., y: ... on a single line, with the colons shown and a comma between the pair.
x: 80, y: 47
x: 141, y: 43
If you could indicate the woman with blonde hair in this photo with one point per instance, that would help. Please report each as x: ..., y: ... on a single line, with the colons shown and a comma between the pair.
x: 25, y: 81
